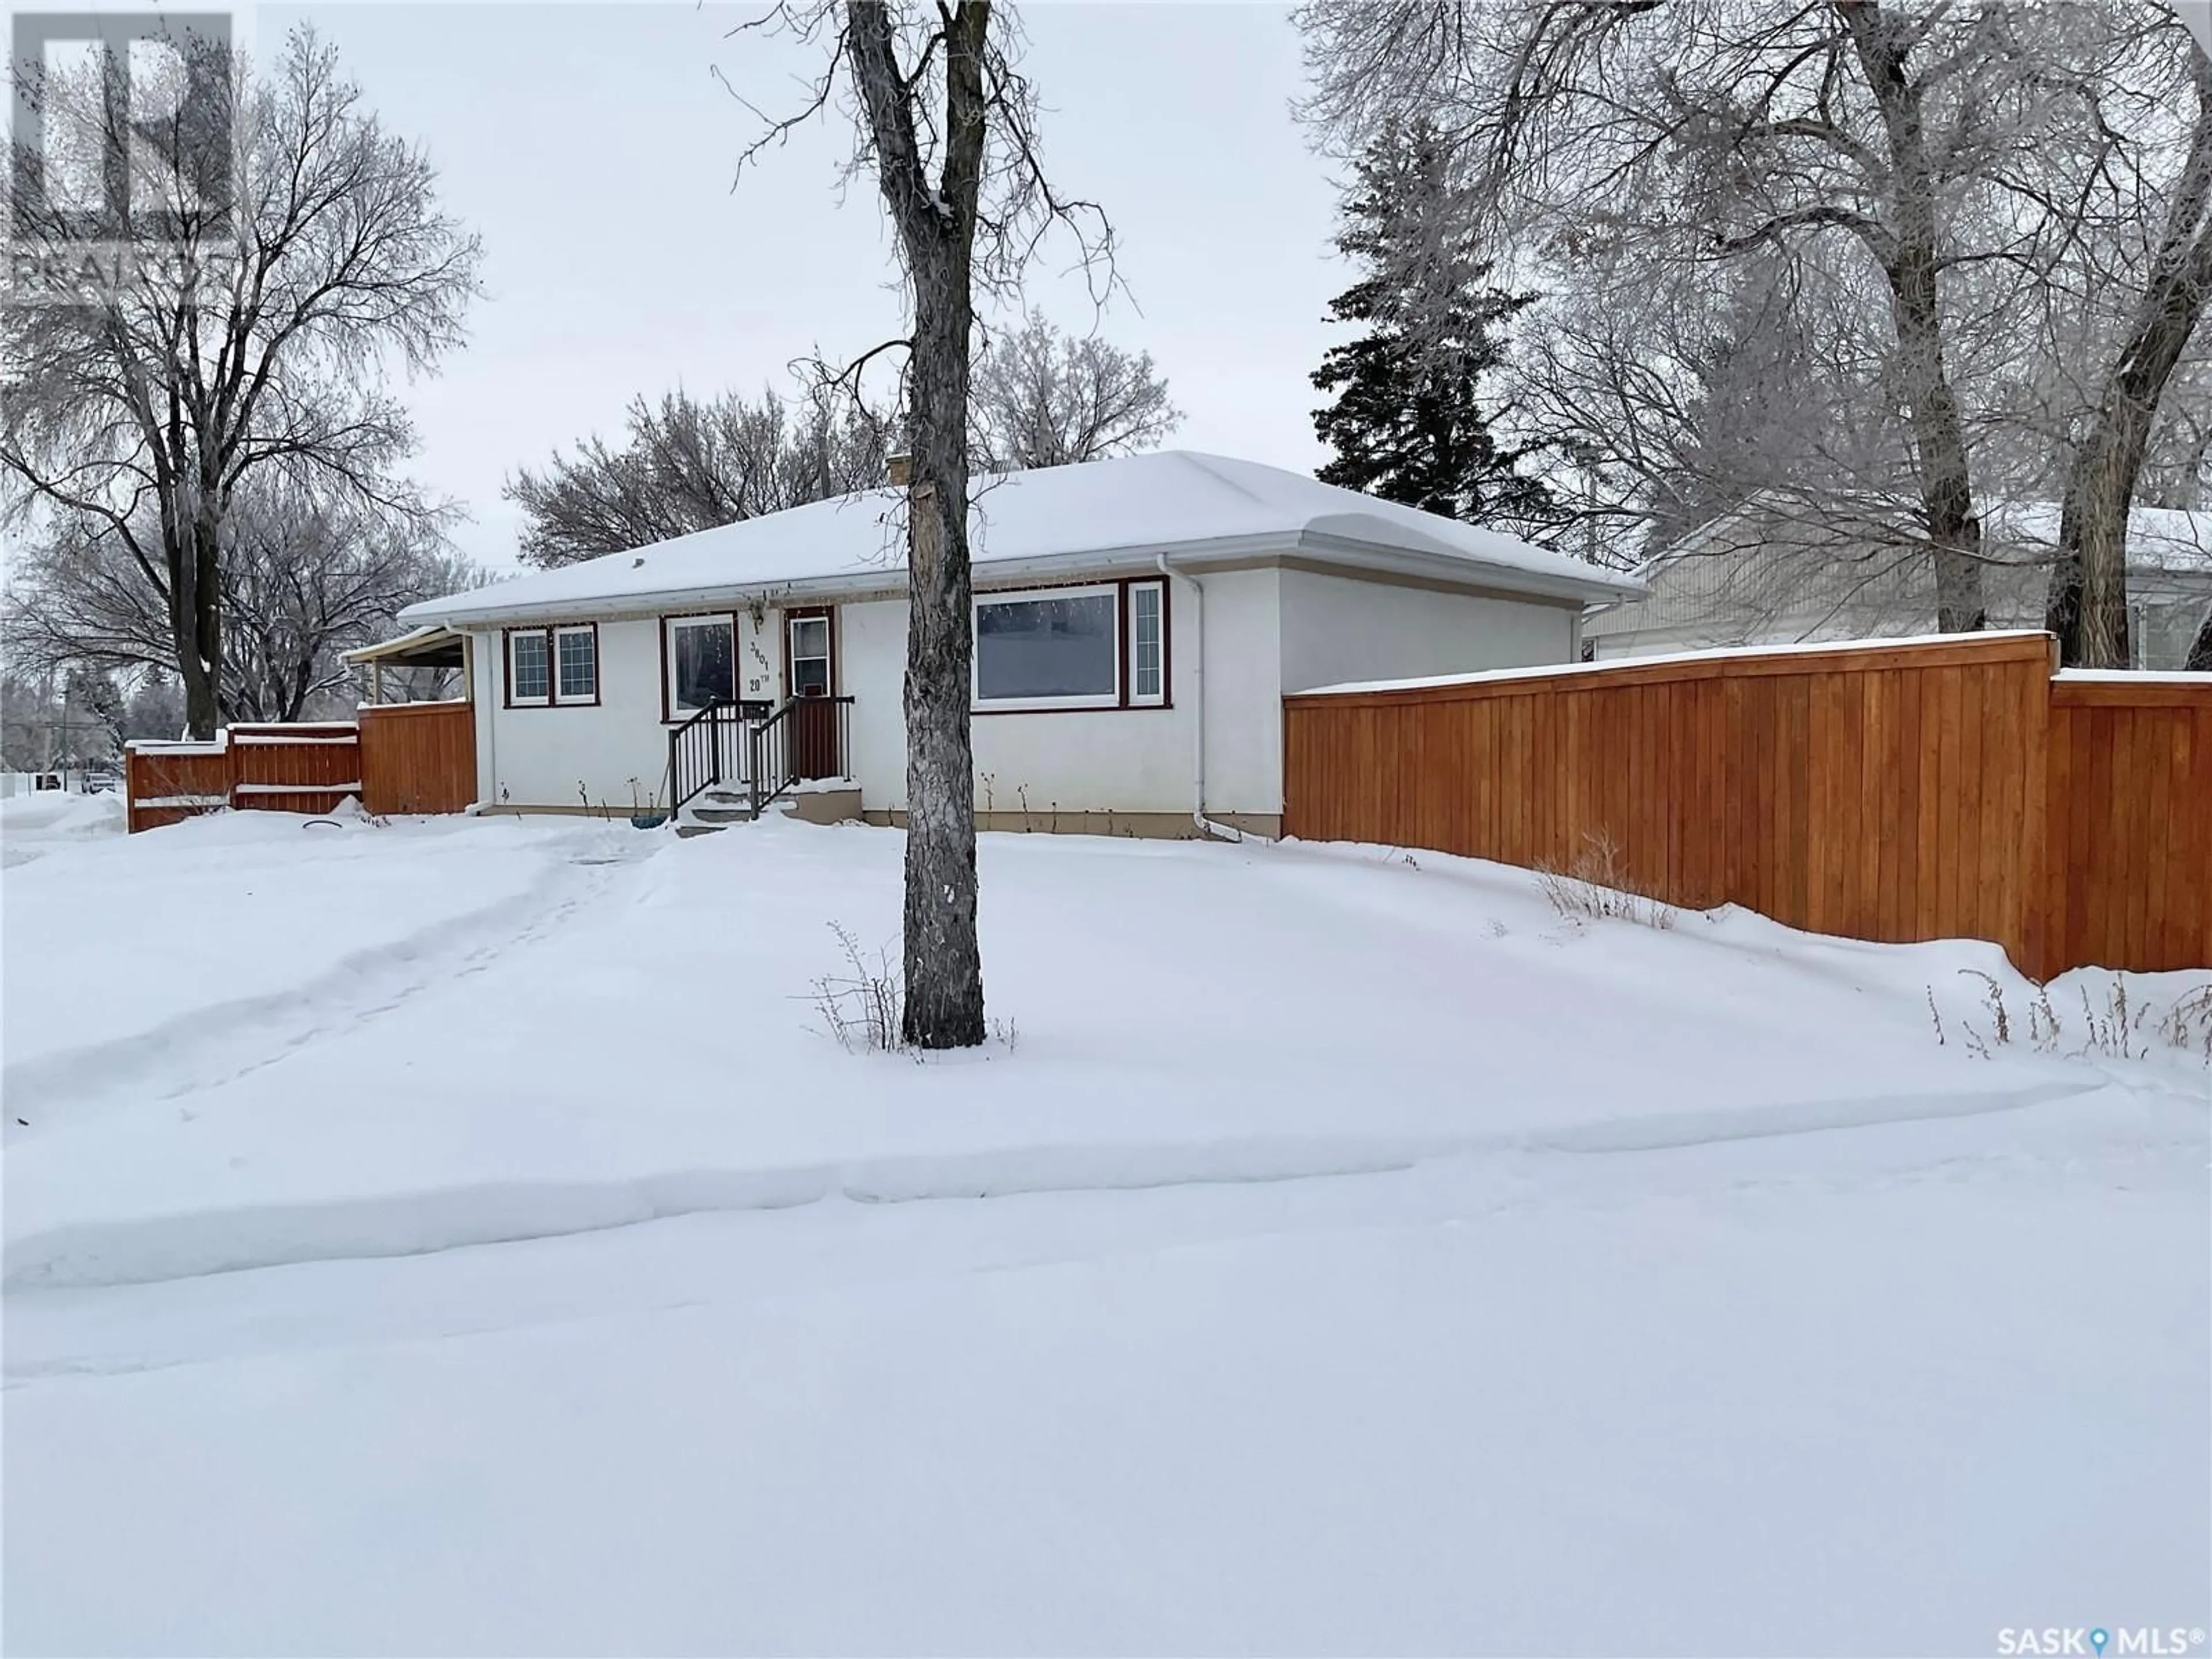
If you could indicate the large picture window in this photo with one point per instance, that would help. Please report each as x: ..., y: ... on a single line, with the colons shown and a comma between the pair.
x: 1058, y: 649
x: 547, y: 667
x: 702, y: 663
x: 1103, y: 647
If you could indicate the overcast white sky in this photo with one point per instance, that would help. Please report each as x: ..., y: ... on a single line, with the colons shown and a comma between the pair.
x: 595, y: 151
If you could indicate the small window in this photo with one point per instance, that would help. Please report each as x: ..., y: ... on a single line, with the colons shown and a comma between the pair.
x: 1056, y: 649
x: 577, y: 654
x: 810, y: 656
x: 528, y: 672
x: 1148, y: 643
x: 702, y: 663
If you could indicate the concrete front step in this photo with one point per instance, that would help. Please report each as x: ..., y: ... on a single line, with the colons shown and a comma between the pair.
x: 720, y: 815
x: 684, y: 831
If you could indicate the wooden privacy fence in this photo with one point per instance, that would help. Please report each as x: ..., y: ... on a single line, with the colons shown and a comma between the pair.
x: 418, y: 757
x: 1936, y: 789
x: 400, y: 758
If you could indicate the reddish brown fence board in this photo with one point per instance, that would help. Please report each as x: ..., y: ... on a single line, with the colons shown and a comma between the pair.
x: 321, y: 763
x: 401, y: 758
x: 1929, y: 790
x: 2128, y: 777
x: 167, y: 784
x: 418, y: 757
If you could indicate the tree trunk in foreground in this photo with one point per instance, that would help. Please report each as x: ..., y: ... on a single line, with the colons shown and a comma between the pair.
x: 943, y: 964
x: 936, y: 222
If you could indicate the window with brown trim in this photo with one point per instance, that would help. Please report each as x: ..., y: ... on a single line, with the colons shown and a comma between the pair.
x: 807, y: 653
x: 553, y: 667
x: 1148, y: 643
x: 1096, y: 645
x: 529, y: 669
x: 576, y: 665
x: 701, y: 657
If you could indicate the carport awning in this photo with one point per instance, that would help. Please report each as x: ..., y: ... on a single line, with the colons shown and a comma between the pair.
x: 434, y: 647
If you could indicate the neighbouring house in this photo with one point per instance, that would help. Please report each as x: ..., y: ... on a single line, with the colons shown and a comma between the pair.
x: 1764, y: 573
x: 1137, y: 622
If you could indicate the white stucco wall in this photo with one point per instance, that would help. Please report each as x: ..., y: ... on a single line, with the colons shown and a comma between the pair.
x: 760, y: 657
x: 484, y: 682
x: 559, y: 757
x: 1335, y: 630
x: 1122, y: 760
x: 1244, y: 691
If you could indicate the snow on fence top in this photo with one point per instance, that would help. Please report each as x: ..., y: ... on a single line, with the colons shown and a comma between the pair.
x: 2133, y: 676
x: 1719, y: 653
x: 288, y: 733
x: 217, y: 745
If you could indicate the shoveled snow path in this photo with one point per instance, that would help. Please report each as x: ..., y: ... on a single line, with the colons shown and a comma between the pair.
x: 228, y: 1040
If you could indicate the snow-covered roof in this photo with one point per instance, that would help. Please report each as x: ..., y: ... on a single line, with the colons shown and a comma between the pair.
x: 407, y: 645
x: 1094, y: 517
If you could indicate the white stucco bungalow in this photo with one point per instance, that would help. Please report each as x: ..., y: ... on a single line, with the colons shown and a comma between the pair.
x: 1137, y: 624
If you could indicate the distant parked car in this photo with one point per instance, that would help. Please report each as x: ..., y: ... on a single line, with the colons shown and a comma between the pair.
x: 100, y: 780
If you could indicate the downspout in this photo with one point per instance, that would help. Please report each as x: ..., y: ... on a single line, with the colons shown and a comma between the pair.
x: 473, y: 682
x: 1206, y: 826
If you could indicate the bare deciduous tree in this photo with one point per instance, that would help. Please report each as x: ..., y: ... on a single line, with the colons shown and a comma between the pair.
x: 240, y: 327
x: 947, y: 126
x: 1945, y: 200
x: 302, y: 579
x: 1045, y: 398
x: 1700, y: 133
x: 689, y: 463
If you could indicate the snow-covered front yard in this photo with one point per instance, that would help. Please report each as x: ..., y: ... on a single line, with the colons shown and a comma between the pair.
x: 458, y: 1236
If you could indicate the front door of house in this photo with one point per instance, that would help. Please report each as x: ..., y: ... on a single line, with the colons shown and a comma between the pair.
x: 810, y: 680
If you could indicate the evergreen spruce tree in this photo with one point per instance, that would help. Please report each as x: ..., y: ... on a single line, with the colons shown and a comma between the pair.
x: 1408, y: 423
